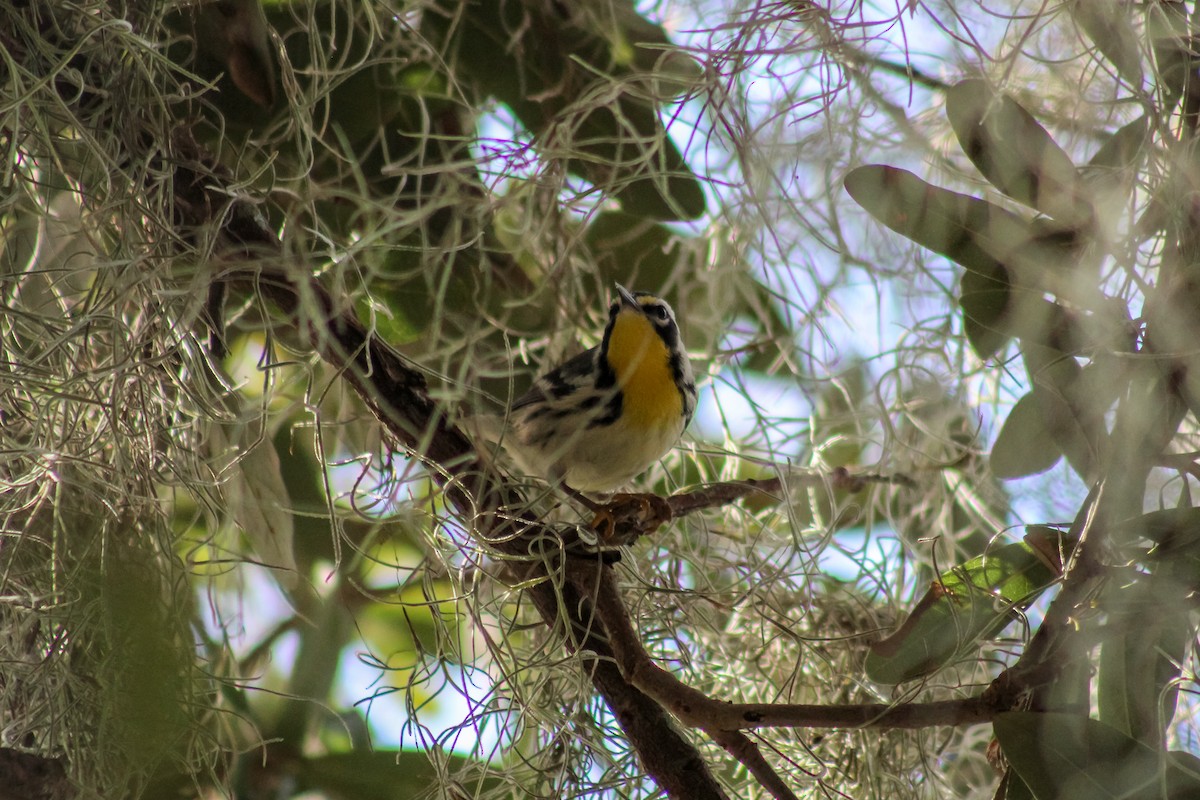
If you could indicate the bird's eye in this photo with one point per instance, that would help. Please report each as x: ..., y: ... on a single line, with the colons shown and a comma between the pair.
x: 659, y: 311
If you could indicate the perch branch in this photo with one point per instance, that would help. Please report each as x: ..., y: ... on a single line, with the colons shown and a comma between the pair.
x: 397, y: 394
x: 719, y: 494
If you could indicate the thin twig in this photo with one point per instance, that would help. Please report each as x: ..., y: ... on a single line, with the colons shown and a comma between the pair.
x: 719, y: 494
x: 628, y: 517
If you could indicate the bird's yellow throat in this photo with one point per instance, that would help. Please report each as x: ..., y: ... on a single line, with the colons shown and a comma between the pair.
x: 642, y: 363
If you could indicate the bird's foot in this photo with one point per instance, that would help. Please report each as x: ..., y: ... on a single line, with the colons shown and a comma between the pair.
x: 626, y: 516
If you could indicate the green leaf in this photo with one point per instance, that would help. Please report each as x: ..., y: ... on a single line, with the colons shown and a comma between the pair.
x: 373, y: 98
x: 1015, y: 153
x: 985, y: 302
x: 1012, y: 787
x: 314, y: 669
x: 1024, y: 445
x: 982, y: 237
x: 577, y: 90
x: 145, y: 672
x: 1106, y: 23
x: 625, y: 149
x: 1137, y: 666
x: 1152, y: 410
x: 419, y: 620
x: 836, y: 422
x: 1069, y: 757
x: 965, y: 229
x: 1174, y: 530
x: 758, y: 305
x: 646, y: 48
x: 967, y: 605
x: 1123, y: 150
x: 396, y: 135
x: 1175, y: 533
x: 232, y: 42
x: 391, y: 774
x: 1112, y: 175
x: 1072, y: 412
x: 301, y: 474
x: 1072, y: 687
x: 632, y: 250
x: 1148, y: 629
x: 994, y: 311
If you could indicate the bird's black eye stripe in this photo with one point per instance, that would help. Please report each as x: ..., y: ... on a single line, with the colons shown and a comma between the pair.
x: 670, y: 334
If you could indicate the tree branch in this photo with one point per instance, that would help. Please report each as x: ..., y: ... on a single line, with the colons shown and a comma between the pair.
x: 626, y: 518
x: 719, y: 494
x: 743, y: 748
x: 698, y: 710
x: 397, y: 393
x: 588, y: 604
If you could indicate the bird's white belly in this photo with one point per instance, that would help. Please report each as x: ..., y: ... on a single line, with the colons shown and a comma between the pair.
x: 606, y: 458
x: 592, y: 459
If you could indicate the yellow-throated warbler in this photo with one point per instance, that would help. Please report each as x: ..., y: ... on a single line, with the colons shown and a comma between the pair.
x: 600, y: 419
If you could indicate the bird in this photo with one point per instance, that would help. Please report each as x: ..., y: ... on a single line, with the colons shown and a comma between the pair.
x: 595, y: 422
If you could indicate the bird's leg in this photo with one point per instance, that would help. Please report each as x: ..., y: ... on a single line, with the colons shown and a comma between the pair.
x: 625, y: 516
x: 582, y: 499
x: 646, y: 509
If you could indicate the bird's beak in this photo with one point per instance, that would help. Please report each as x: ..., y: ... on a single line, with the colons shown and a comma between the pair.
x: 626, y: 298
